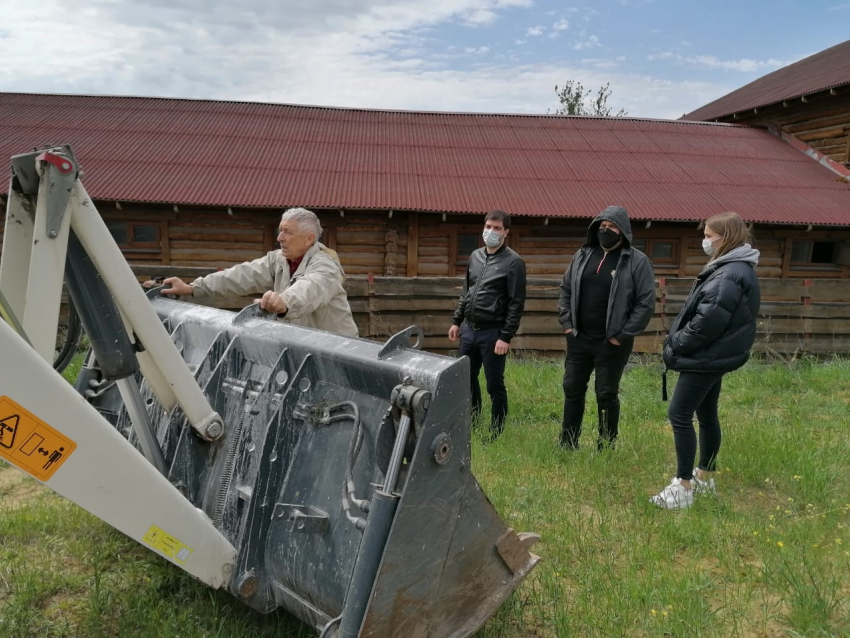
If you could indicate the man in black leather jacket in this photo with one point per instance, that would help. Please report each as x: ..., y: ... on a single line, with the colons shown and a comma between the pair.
x: 488, y: 313
x: 607, y: 298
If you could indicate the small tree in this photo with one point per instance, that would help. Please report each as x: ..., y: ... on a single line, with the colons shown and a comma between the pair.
x: 576, y: 100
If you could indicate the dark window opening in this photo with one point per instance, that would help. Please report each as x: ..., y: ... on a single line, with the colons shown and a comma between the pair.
x: 661, y: 251
x: 118, y: 230
x: 812, y: 252
x: 822, y: 252
x: 135, y: 237
x: 145, y: 234
x: 467, y: 243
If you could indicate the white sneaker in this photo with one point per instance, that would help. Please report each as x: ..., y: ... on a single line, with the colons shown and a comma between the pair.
x: 702, y: 487
x: 674, y: 496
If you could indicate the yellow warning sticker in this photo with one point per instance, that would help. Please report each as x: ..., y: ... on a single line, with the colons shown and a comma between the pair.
x: 165, y: 543
x: 29, y: 443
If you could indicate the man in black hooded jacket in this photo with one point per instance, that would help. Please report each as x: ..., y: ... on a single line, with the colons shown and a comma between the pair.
x: 607, y: 298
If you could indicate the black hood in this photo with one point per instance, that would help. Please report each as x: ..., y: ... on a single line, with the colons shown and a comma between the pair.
x: 616, y: 215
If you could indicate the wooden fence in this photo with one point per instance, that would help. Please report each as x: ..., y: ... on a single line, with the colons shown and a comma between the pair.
x: 797, y: 315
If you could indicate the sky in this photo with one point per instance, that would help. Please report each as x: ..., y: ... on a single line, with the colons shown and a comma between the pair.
x: 662, y: 58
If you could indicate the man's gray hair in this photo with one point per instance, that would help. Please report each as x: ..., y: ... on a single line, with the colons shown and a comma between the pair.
x: 306, y: 220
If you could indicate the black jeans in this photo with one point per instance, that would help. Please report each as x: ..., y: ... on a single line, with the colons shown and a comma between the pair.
x: 695, y: 392
x: 584, y: 356
x: 480, y: 347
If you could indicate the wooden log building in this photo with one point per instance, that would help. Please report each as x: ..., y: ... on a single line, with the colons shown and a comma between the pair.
x: 191, y: 186
x: 809, y: 100
x: 422, y: 244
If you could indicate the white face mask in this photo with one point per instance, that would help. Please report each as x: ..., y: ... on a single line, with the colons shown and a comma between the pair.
x: 491, y: 237
x: 708, y: 247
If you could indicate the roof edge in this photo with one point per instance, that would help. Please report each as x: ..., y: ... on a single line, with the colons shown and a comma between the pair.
x: 325, y: 208
x: 824, y: 160
x: 796, y: 96
x: 373, y: 110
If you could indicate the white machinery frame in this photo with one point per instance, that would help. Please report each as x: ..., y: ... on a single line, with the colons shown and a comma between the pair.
x: 103, y: 472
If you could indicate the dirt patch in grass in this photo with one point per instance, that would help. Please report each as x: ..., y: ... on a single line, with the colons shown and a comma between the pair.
x: 16, y: 487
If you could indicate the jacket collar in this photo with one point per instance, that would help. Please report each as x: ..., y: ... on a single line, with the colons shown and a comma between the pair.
x: 501, y: 249
x: 304, y: 261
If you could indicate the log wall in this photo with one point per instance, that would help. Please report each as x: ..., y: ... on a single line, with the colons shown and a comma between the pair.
x: 425, y: 244
x: 822, y: 121
x: 798, y: 315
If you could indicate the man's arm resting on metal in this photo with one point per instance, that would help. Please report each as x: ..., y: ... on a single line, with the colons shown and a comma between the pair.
x: 249, y: 278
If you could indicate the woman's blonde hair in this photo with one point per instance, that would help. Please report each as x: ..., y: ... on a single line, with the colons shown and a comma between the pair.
x: 732, y: 230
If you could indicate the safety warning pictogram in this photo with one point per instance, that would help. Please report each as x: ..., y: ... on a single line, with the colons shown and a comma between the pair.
x: 29, y: 443
x: 9, y: 431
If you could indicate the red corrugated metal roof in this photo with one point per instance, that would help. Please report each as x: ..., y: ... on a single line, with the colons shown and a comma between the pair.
x: 266, y: 155
x: 818, y: 72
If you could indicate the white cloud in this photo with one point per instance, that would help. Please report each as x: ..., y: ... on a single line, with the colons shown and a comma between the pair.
x: 520, y: 42
x: 330, y: 52
x: 743, y: 64
x: 685, y: 43
x: 535, y: 31
x: 480, y: 16
x: 478, y: 50
x: 590, y: 43
x: 600, y: 63
x: 559, y: 27
x: 713, y: 62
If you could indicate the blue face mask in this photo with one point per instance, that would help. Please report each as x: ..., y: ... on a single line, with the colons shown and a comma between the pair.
x: 492, y: 238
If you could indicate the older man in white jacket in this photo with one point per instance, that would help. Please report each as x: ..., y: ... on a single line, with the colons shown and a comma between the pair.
x: 301, y: 282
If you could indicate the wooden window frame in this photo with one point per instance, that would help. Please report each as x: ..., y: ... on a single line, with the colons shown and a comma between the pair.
x: 139, y: 247
x: 673, y: 260
x: 452, y: 232
x: 454, y: 229
x: 455, y: 256
x: 809, y: 264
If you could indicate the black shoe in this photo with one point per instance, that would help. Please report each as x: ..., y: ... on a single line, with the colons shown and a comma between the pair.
x: 567, y: 443
x: 489, y: 437
x: 605, y: 444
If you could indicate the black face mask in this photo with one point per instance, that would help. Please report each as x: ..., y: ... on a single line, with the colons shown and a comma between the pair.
x: 608, y: 238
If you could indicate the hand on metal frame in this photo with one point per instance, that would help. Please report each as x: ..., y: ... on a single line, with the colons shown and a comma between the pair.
x: 273, y: 302
x: 175, y: 286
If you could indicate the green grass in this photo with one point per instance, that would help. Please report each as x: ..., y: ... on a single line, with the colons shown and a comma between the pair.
x: 73, y: 369
x: 768, y: 557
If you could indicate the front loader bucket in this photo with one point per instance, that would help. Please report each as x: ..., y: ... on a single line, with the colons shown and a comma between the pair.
x: 342, y: 477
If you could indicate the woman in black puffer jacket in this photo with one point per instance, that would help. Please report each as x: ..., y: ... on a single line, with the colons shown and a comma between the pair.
x: 711, y: 336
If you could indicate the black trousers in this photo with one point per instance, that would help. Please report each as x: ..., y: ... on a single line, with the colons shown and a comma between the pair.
x: 585, y: 356
x: 695, y: 392
x: 479, y: 346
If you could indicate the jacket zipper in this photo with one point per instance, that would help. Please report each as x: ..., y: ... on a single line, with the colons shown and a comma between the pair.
x: 478, y: 285
x: 575, y: 286
x: 614, y: 285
